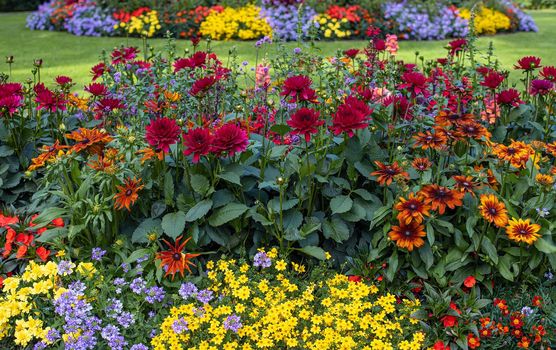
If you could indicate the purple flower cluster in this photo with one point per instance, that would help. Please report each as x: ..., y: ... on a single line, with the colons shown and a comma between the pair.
x: 97, y: 254
x: 154, y: 294
x: 285, y: 19
x: 525, y: 22
x: 113, y: 337
x: 187, y: 290
x: 205, y: 296
x: 232, y: 323
x: 40, y: 19
x: 417, y: 23
x: 261, y: 260
x: 90, y: 20
x: 179, y: 326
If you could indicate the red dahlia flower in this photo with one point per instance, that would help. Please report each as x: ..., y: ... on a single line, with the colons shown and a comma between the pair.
x: 161, y: 133
x: 48, y: 100
x: 352, y: 115
x: 9, y: 89
x: 305, y: 122
x: 11, y: 103
x: 124, y: 55
x: 197, y: 142
x: 549, y: 73
x: 528, y: 63
x: 62, y: 80
x: 379, y: 44
x: 107, y: 105
x: 97, y: 89
x: 492, y: 79
x: 351, y: 53
x: 509, y: 97
x: 298, y: 88
x: 541, y: 87
x: 231, y: 139
x: 202, y: 85
x: 456, y: 46
x: 414, y: 82
x: 98, y: 70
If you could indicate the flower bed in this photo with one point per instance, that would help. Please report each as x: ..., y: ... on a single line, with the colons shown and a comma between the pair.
x: 282, y: 20
x: 382, y: 185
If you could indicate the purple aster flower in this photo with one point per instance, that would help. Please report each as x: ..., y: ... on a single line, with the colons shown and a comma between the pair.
x: 97, y: 254
x: 232, y: 323
x: 154, y: 294
x: 261, y: 260
x: 187, y: 290
x: 205, y: 296
x: 527, y: 311
x: 179, y: 326
x: 119, y: 281
x: 143, y: 258
x: 52, y: 335
x: 39, y: 346
x: 297, y: 50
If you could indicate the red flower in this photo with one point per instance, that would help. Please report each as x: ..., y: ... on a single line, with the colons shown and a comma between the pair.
x: 305, y: 122
x: 21, y: 252
x: 456, y: 46
x: 509, y: 97
x: 492, y: 79
x: 11, y: 103
x: 298, y: 88
x: 48, y: 100
x: 469, y: 282
x: 516, y: 320
x: 355, y: 279
x: 98, y: 70
x: 197, y: 60
x: 107, y: 105
x: 202, y: 85
x: 379, y: 44
x: 528, y: 63
x: 230, y: 139
x: 472, y: 341
x: 161, y: 133
x: 58, y: 222
x: 62, y: 80
x: 5, y: 221
x: 537, y: 301
x: 541, y: 87
x: 42, y: 253
x: 449, y: 321
x: 439, y: 345
x: 124, y: 55
x: 351, y: 53
x: 415, y: 82
x: 97, y: 89
x: 197, y: 142
x: 549, y: 73
x: 353, y: 114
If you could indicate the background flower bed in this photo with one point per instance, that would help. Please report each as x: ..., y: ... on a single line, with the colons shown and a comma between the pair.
x: 408, y: 19
x: 121, y: 171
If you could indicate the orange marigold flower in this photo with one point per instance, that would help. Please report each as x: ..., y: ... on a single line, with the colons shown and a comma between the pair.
x: 440, y: 197
x: 412, y: 209
x: 465, y: 183
x: 493, y: 211
x: 520, y: 230
x: 427, y: 140
x: 421, y: 164
x: 537, y: 301
x: 127, y: 194
x: 92, y: 140
x: 408, y: 236
x: 387, y: 173
x: 472, y: 341
x: 174, y: 259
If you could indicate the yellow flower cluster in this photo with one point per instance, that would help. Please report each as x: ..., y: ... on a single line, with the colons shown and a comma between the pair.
x: 145, y: 25
x: 333, y: 28
x: 274, y: 308
x: 244, y: 23
x: 488, y: 21
x: 18, y: 302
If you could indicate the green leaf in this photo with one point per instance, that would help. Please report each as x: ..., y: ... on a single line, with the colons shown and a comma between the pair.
x: 47, y: 216
x: 274, y: 204
x: 227, y: 213
x: 199, y: 210
x: 311, y: 225
x: 199, y: 183
x: 504, y: 267
x: 6, y: 151
x: 51, y: 234
x: 336, y: 229
x: 168, y: 189
x: 313, y: 251
x: 278, y: 151
x: 490, y: 249
x: 545, y: 246
x: 139, y: 253
x: 173, y: 224
x: 232, y: 173
x: 425, y: 252
x: 146, y: 227
x: 281, y: 129
x: 341, y: 204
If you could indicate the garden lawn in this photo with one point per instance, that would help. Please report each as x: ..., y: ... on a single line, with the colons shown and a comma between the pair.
x: 70, y: 55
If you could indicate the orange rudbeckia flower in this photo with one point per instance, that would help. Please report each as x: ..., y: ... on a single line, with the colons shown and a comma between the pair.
x: 386, y: 173
x: 127, y: 194
x: 174, y: 259
x: 493, y: 211
x: 440, y: 197
x: 408, y: 236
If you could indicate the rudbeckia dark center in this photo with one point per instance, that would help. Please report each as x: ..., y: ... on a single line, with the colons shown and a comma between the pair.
x: 407, y: 233
x: 176, y: 256
x: 412, y: 206
x: 128, y: 192
x: 492, y: 211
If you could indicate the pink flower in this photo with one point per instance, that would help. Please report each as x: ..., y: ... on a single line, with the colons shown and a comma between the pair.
x: 197, y: 142
x: 161, y: 133
x: 48, y: 100
x: 98, y: 70
x: 541, y: 87
x: 262, y: 76
x: 392, y: 44
x: 414, y: 82
x: 230, y: 139
x: 97, y: 89
x: 509, y: 97
x: 201, y: 86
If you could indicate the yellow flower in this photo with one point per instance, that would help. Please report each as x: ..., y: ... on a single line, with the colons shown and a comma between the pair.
x: 281, y: 265
x: 520, y: 230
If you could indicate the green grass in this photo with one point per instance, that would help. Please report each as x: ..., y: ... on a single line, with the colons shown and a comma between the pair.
x: 73, y: 56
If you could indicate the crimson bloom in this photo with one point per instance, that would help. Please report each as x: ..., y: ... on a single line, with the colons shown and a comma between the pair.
x: 197, y: 142
x: 528, y: 63
x: 470, y: 282
x: 549, y: 73
x: 202, y: 85
x: 124, y: 55
x: 456, y: 46
x: 197, y: 60
x: 492, y: 79
x: 48, y: 100
x: 379, y: 44
x: 541, y: 87
x: 230, y: 138
x: 509, y: 97
x: 98, y: 70
x: 161, y: 133
x: 353, y: 114
x: 305, y: 122
x: 97, y: 89
x: 415, y: 82
x: 298, y: 88
x: 351, y: 53
x: 62, y: 80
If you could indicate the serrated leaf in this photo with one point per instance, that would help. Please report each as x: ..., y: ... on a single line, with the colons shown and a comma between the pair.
x: 314, y: 251
x: 227, y: 213
x: 173, y: 224
x: 199, y: 210
x: 199, y: 183
x: 336, y: 229
x: 341, y: 204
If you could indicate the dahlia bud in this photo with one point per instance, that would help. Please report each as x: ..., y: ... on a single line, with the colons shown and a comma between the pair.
x: 152, y: 237
x: 180, y: 122
x: 62, y: 127
x: 280, y: 181
x: 239, y: 108
x: 37, y: 62
x: 9, y: 59
x: 131, y: 139
x: 103, y: 130
x: 270, y: 102
x: 119, y: 242
x: 28, y: 173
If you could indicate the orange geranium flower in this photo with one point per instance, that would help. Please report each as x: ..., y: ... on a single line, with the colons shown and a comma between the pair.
x: 91, y: 140
x: 520, y: 230
x: 127, y: 194
x: 408, y: 236
x: 440, y: 197
x: 493, y: 211
x: 174, y: 259
x: 386, y: 173
x: 427, y: 140
x: 412, y: 209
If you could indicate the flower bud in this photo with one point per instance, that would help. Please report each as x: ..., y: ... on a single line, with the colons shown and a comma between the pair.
x: 62, y: 127
x: 280, y: 181
x: 9, y: 59
x: 37, y: 62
